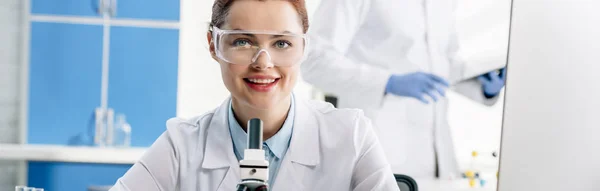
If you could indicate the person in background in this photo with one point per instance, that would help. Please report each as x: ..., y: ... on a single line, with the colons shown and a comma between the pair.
x: 309, y: 144
x: 395, y: 59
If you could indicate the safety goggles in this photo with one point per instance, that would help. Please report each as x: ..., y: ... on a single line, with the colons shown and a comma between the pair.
x: 245, y: 47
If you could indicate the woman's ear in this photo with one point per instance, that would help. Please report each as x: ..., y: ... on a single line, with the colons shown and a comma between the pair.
x: 211, y: 46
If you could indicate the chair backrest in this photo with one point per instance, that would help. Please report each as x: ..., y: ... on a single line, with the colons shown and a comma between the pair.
x: 406, y: 183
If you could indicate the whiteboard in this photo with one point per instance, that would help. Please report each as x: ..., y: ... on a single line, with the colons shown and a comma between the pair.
x: 551, y: 135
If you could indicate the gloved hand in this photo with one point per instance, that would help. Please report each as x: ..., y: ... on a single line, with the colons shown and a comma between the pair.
x: 417, y: 85
x: 493, y: 82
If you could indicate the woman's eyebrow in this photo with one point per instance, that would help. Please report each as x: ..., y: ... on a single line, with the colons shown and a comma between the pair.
x: 284, y: 33
x: 248, y: 34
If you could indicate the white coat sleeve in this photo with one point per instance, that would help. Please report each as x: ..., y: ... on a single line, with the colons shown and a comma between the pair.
x: 469, y: 87
x: 157, y: 170
x: 326, y: 67
x: 372, y: 170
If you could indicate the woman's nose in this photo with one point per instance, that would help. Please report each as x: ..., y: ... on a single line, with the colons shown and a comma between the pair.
x: 262, y: 60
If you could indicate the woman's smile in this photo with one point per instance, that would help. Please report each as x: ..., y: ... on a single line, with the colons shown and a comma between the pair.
x: 262, y: 83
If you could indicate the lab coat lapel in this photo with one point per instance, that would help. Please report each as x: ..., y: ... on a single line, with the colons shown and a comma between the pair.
x: 220, y: 164
x: 303, y: 156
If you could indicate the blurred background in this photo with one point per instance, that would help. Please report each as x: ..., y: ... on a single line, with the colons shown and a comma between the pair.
x: 63, y: 64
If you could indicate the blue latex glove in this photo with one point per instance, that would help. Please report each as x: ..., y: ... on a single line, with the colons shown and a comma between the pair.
x: 493, y: 82
x: 417, y: 85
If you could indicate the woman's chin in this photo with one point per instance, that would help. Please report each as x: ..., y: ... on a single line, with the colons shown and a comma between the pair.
x: 262, y: 104
x: 262, y: 101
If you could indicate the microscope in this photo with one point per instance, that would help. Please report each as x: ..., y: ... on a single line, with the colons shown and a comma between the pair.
x: 254, y: 169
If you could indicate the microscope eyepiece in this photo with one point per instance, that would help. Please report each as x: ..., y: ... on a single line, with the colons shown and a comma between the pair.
x: 255, y: 133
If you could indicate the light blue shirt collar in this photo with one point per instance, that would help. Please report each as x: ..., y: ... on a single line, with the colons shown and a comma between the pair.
x: 277, y: 144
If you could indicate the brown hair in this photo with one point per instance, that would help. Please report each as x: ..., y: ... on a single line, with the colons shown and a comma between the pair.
x: 221, y: 9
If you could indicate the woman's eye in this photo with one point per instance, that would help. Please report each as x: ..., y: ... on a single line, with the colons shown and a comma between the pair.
x: 241, y: 42
x: 282, y: 44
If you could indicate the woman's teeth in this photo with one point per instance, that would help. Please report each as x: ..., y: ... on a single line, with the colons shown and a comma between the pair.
x: 261, y: 81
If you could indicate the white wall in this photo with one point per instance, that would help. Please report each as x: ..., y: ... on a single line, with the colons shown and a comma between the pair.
x: 483, y: 27
x: 200, y: 88
x: 10, y: 27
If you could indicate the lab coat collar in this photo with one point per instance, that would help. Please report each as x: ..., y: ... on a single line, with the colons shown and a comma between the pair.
x: 297, y: 165
x: 304, y: 154
x: 304, y: 146
x: 218, y: 142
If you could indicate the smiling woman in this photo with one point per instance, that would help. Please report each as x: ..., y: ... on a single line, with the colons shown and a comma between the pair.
x: 249, y: 46
x: 259, y: 45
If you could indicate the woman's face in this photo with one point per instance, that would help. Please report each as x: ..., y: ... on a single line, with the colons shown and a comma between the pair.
x: 260, y: 84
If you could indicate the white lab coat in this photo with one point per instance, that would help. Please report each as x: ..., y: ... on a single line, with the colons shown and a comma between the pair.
x: 355, y: 45
x: 330, y: 149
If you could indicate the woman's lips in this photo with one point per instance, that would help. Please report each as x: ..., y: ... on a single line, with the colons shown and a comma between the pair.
x: 261, y: 84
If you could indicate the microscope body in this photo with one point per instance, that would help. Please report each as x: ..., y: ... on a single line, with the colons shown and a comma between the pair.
x: 254, y: 169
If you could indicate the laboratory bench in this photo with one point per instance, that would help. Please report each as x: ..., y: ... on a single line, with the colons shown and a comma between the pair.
x: 71, y: 154
x: 454, y: 185
x: 66, y: 168
x: 46, y: 153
